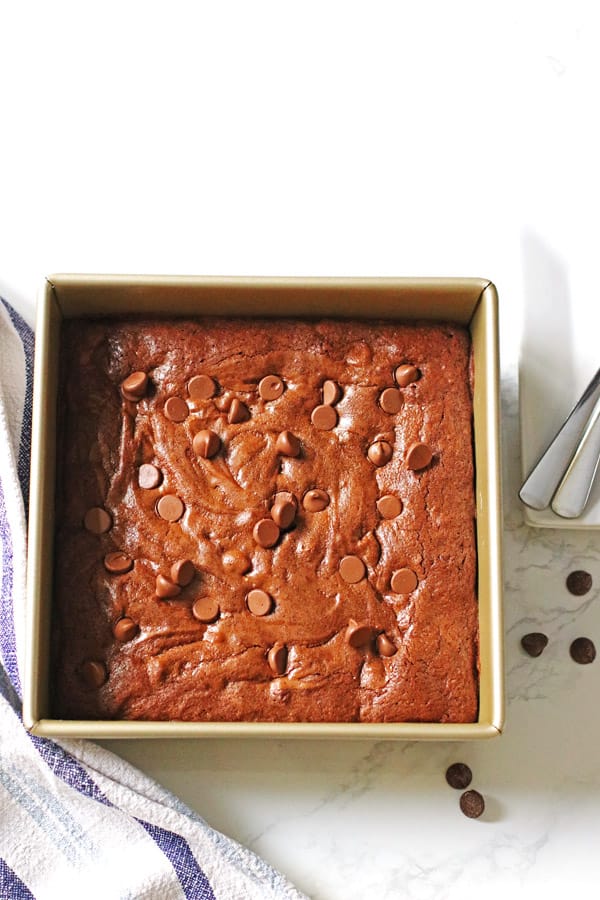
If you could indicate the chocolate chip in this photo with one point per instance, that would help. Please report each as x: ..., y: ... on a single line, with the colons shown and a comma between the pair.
x: 259, y: 602
x: 97, y: 520
x: 389, y: 506
x: 176, y: 409
x: 418, y: 456
x: 182, y: 572
x: 149, y: 476
x: 380, y: 453
x: 579, y: 582
x: 206, y: 610
x: 358, y: 635
x: 93, y: 673
x: 266, y: 533
x: 170, y: 508
x: 384, y: 646
x: 404, y: 581
x: 201, y: 387
x: 118, y: 563
x: 166, y: 588
x: 270, y: 387
x: 332, y: 393
x: 534, y: 643
x: 277, y: 658
x: 582, y: 651
x: 287, y: 444
x: 125, y: 629
x: 224, y: 401
x: 236, y: 562
x: 315, y: 500
x: 391, y: 400
x: 459, y: 776
x: 352, y: 569
x: 324, y: 417
x: 135, y: 386
x: 406, y: 374
x: 472, y: 804
x: 238, y: 412
x: 283, y: 512
x: 206, y: 443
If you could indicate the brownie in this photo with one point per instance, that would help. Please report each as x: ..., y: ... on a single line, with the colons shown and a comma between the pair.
x: 265, y: 520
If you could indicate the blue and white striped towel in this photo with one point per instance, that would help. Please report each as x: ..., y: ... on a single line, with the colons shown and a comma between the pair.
x: 75, y: 820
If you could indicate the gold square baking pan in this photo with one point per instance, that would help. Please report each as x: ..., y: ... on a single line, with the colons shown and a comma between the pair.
x: 469, y: 301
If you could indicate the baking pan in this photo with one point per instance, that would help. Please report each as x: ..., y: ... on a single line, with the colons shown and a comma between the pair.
x: 469, y: 301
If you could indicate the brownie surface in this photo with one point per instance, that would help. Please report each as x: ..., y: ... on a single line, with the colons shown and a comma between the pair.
x: 328, y: 648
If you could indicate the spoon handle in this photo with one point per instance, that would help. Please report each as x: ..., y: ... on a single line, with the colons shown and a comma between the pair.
x: 541, y: 483
x: 574, y: 490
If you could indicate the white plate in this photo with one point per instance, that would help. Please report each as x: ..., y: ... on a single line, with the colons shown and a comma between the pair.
x: 560, y: 354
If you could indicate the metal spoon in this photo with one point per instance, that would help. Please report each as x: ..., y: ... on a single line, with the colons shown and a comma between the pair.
x: 543, y: 480
x: 574, y: 490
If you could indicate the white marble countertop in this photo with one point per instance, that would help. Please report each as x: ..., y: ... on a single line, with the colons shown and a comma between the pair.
x: 362, y: 139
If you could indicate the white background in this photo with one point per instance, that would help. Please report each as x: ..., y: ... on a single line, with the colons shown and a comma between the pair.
x: 327, y: 138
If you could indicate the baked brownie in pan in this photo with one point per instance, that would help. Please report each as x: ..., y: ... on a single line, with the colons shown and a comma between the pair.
x: 265, y: 520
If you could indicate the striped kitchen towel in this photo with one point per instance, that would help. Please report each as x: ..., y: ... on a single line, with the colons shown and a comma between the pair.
x: 75, y: 820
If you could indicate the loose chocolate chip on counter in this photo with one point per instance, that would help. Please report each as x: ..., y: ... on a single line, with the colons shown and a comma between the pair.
x: 201, y: 387
x: 324, y: 417
x: 166, y: 588
x: 97, y: 520
x: 283, y: 512
x: 315, y: 500
x: 472, y: 804
x: 176, y: 409
x: 534, y: 643
x: 238, y: 412
x: 206, y: 610
x: 118, y: 563
x: 332, y: 393
x: 418, y: 456
x: 389, y: 506
x: 380, y: 453
x: 287, y: 444
x: 358, y: 635
x: 391, y: 400
x: 404, y: 581
x: 93, y: 673
x: 277, y: 658
x: 170, y: 507
x: 236, y: 562
x: 182, y: 572
x: 406, y: 374
x: 259, y: 602
x: 583, y: 651
x: 266, y: 533
x: 579, y: 582
x: 352, y: 569
x: 384, y: 646
x: 270, y: 387
x: 135, y: 386
x: 459, y: 776
x: 125, y: 629
x: 149, y: 476
x: 206, y: 443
